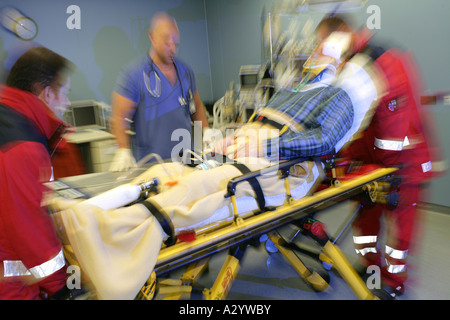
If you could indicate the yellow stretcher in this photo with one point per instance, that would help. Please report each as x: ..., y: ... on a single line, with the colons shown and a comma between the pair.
x: 235, y: 236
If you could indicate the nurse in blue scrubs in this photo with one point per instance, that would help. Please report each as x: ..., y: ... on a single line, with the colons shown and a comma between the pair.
x: 159, y: 95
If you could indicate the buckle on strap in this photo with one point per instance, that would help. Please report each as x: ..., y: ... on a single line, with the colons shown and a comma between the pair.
x: 164, y: 221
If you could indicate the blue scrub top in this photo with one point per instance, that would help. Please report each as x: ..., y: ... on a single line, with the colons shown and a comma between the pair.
x: 161, y: 123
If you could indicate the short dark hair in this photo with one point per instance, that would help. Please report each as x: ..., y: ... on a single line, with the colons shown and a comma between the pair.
x: 335, y: 23
x: 38, y: 68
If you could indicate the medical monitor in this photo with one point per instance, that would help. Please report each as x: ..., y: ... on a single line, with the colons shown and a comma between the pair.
x: 249, y: 80
x: 249, y: 75
x: 87, y: 114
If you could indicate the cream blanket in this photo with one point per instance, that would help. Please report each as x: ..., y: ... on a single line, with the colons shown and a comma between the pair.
x: 117, y: 249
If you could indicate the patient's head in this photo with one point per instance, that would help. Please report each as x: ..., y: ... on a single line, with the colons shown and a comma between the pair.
x: 329, y: 25
x: 335, y: 41
x: 335, y: 36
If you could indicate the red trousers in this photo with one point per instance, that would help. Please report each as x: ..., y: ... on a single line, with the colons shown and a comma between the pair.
x: 399, y: 224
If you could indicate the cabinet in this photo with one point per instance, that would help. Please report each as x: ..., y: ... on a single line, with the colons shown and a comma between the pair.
x: 97, y: 148
x: 102, y: 153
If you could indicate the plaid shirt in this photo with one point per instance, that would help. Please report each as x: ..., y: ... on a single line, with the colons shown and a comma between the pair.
x: 325, y: 113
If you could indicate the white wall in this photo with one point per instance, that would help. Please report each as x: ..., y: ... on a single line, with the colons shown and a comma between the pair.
x: 113, y: 32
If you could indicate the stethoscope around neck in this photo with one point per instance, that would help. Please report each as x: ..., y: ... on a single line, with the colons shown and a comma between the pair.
x: 156, y: 91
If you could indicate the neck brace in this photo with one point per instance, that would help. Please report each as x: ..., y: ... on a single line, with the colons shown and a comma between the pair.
x: 316, y: 64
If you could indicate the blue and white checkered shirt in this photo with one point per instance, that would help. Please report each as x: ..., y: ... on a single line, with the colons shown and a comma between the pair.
x: 325, y: 113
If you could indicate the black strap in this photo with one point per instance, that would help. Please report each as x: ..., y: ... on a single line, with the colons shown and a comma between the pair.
x: 15, y: 126
x: 163, y: 220
x: 254, y: 183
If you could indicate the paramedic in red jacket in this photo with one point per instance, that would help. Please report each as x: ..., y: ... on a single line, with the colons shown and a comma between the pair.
x: 32, y: 263
x: 395, y: 136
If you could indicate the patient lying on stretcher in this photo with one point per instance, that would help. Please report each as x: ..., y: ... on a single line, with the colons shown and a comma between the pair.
x: 118, y: 248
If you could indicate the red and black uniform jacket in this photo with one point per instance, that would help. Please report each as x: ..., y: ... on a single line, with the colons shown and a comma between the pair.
x: 29, y: 247
x: 396, y: 134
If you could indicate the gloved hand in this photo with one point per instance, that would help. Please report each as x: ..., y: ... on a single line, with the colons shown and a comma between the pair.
x: 123, y: 160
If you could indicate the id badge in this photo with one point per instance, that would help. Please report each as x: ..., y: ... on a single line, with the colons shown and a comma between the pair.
x: 192, y: 107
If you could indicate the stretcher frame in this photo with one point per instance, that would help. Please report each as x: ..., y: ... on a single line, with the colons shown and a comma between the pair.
x: 235, y: 235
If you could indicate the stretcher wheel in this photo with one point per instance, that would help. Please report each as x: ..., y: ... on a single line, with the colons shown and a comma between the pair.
x: 327, y: 266
x: 268, y: 244
x: 271, y: 247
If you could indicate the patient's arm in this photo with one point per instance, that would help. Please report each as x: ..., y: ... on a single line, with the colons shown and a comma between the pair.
x: 325, y: 126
